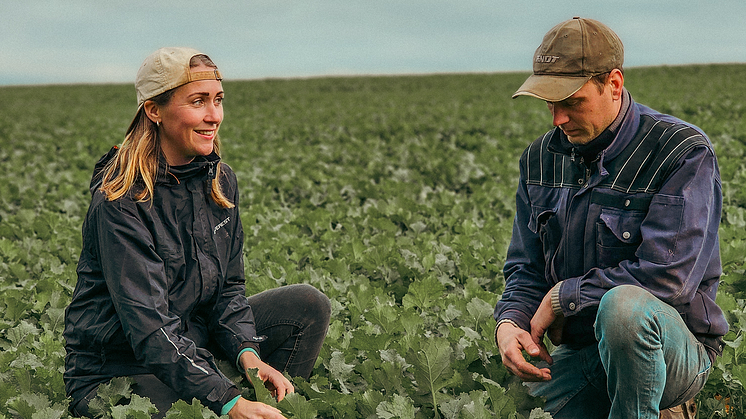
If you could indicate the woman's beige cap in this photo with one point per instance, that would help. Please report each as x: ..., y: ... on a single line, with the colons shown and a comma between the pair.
x: 166, y: 69
x: 570, y: 54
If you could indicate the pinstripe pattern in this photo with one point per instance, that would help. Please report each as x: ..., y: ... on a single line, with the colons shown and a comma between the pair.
x: 642, y: 166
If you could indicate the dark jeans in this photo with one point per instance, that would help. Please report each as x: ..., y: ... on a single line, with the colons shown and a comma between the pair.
x: 295, y: 319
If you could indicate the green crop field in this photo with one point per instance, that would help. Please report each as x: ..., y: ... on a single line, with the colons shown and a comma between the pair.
x: 393, y: 195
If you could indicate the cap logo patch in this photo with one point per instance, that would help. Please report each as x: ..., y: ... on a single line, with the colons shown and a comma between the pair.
x: 547, y: 58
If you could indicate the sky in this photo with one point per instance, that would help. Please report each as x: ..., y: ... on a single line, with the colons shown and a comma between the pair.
x: 105, y: 41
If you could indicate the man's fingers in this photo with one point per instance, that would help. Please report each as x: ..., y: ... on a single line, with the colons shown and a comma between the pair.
x: 544, y: 354
x: 529, y: 372
x: 526, y: 371
x: 537, y: 344
x: 529, y: 344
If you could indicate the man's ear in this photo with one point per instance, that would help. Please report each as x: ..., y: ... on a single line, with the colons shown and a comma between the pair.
x: 616, y: 82
x: 152, y: 111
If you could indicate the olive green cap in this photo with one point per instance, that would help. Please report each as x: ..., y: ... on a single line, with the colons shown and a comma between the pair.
x: 569, y: 55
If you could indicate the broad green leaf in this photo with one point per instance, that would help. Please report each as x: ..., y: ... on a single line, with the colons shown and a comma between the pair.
x: 26, y: 404
x: 184, y: 410
x: 398, y: 408
x: 502, y: 404
x: 298, y: 407
x: 109, y: 394
x: 480, y: 313
x: 538, y: 413
x: 49, y: 413
x: 432, y: 368
x: 262, y: 393
x: 137, y: 408
x: 27, y: 360
x: 339, y: 370
x: 384, y: 314
x: 475, y: 408
x: 15, y: 308
x: 451, y: 409
x: 423, y: 293
x: 368, y: 403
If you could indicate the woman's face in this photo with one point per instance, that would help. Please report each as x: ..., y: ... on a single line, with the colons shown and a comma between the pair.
x: 190, y: 120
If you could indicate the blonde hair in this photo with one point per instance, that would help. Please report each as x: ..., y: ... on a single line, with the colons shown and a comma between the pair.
x: 138, y: 155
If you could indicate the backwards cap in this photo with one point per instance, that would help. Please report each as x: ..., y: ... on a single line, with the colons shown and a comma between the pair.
x: 569, y: 55
x: 166, y: 69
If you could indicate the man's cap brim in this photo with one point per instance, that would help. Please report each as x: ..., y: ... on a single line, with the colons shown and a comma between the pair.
x: 551, y: 88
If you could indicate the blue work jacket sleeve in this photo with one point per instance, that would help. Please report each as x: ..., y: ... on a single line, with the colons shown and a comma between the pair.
x: 138, y: 285
x: 679, y: 241
x: 232, y: 320
x: 525, y: 284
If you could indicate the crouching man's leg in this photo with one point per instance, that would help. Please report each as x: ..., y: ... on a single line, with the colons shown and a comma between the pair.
x: 652, y: 360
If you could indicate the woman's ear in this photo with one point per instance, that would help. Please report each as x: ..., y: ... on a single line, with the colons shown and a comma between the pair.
x: 152, y: 111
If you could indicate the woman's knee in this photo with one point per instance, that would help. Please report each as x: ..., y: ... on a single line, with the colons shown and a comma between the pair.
x: 313, y: 301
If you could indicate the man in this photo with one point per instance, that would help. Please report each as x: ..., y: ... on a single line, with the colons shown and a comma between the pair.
x: 614, y: 253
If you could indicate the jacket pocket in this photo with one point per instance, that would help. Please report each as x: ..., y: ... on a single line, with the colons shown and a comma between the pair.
x: 545, y: 223
x: 662, y: 229
x: 618, y: 237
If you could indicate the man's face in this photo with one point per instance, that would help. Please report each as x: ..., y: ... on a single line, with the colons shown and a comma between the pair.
x: 588, y: 112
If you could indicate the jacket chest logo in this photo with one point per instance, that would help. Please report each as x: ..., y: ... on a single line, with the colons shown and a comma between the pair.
x: 219, y: 226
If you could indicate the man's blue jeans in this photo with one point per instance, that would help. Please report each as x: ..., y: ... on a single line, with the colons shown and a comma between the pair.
x: 645, y: 360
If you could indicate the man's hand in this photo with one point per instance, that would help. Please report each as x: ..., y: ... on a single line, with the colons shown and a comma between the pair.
x: 512, y: 341
x: 546, y: 321
x: 277, y: 384
x: 245, y: 409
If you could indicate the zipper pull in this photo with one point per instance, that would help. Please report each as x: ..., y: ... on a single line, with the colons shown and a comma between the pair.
x: 211, y: 172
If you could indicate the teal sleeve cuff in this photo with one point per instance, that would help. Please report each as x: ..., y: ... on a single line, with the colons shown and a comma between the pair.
x: 238, y: 358
x: 228, y: 406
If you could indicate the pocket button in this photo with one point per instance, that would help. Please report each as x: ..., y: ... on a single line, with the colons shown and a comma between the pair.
x: 626, y: 235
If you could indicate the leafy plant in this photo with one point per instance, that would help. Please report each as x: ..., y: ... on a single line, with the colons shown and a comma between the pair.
x: 393, y: 195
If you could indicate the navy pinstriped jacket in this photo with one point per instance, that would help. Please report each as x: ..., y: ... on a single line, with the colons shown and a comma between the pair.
x: 645, y: 213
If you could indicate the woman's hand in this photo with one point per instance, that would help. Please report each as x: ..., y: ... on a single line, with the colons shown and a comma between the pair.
x: 245, y: 409
x: 276, y: 383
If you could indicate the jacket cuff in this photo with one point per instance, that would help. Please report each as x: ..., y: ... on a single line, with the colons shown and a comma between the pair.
x: 518, y: 318
x: 228, y: 406
x: 554, y: 294
x: 250, y: 346
x: 569, y: 297
x: 238, y: 358
x: 229, y: 395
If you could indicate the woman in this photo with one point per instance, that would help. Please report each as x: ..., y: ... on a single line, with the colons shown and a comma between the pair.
x: 161, y: 279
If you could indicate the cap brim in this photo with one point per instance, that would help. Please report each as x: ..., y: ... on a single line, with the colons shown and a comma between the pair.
x: 551, y: 88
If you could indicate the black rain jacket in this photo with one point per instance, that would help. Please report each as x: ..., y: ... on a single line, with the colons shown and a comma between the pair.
x: 157, y: 280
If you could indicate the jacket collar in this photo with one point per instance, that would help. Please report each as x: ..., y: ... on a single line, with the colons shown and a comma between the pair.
x: 626, y: 127
x: 202, y: 167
